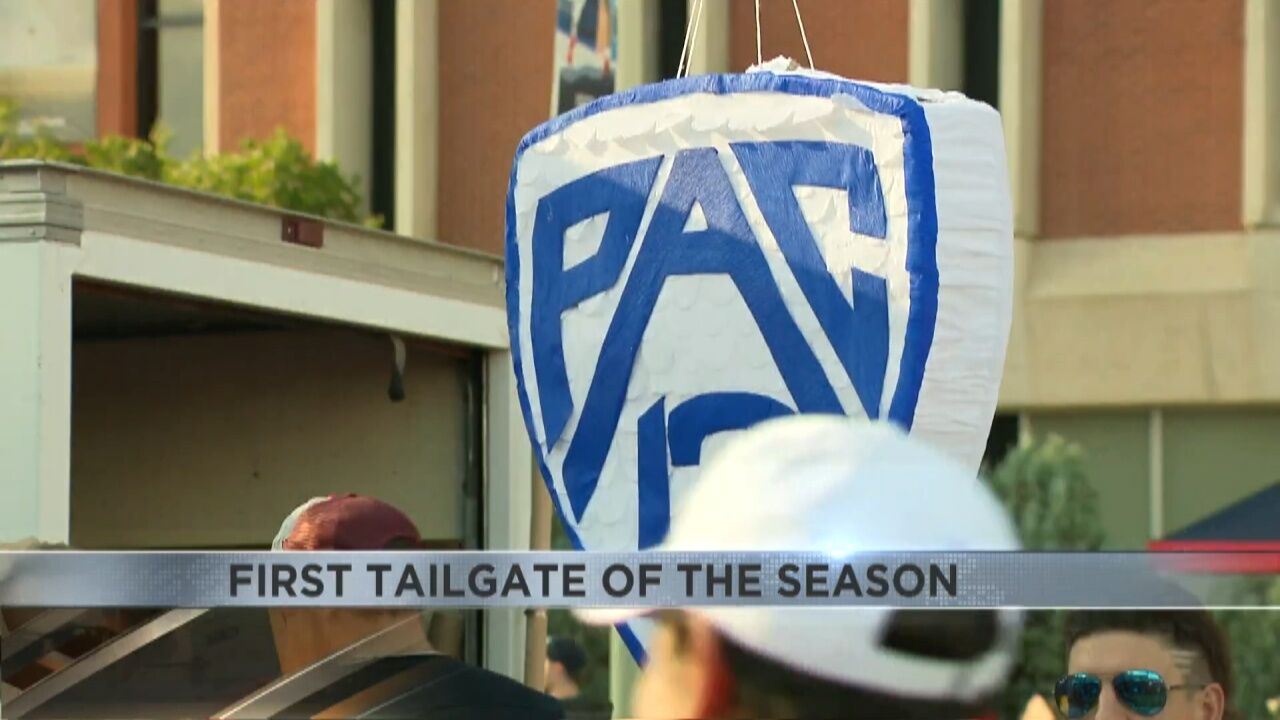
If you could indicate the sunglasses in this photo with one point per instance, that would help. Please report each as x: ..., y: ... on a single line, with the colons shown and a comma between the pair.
x: 1142, y: 691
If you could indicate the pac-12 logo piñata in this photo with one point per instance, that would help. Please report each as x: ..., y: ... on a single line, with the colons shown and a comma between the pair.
x: 690, y: 258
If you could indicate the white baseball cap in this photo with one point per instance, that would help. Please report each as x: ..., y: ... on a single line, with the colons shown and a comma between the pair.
x: 833, y: 484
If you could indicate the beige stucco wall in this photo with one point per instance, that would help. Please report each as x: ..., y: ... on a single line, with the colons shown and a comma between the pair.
x: 211, y: 440
x: 1144, y: 321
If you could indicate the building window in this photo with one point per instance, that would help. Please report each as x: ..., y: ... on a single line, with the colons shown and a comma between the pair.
x: 382, y: 174
x: 982, y: 51
x: 49, y: 65
x: 171, y: 72
x: 673, y: 17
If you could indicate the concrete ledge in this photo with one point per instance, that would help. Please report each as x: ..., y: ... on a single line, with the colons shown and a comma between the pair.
x: 1145, y: 321
x: 34, y: 205
x: 41, y: 201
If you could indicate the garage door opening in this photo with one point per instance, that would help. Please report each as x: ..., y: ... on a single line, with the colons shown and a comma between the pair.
x: 198, y: 425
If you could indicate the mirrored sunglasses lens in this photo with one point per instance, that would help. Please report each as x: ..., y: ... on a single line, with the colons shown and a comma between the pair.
x: 1077, y: 695
x: 1142, y: 691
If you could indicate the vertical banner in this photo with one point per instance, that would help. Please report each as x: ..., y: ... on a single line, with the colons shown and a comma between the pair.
x: 586, y: 52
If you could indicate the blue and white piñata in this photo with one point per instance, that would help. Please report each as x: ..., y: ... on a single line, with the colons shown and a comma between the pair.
x: 689, y: 258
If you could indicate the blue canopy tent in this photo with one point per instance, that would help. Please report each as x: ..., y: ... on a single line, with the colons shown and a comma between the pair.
x: 1251, y: 525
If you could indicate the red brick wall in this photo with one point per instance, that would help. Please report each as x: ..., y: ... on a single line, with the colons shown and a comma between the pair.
x: 1142, y: 116
x: 267, y: 68
x: 495, y: 86
x: 861, y: 39
x: 117, y: 67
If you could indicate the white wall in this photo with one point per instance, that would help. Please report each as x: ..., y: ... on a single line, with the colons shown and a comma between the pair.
x: 35, y: 398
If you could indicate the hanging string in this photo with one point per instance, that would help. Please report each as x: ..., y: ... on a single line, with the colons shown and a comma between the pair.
x: 695, y: 23
x: 686, y: 49
x: 759, y: 57
x: 693, y: 41
x: 800, y: 21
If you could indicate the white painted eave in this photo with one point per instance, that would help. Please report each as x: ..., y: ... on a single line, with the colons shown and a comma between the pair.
x: 153, y: 236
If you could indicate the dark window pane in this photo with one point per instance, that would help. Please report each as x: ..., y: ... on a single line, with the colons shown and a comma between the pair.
x: 382, y: 180
x: 982, y: 51
x: 672, y: 17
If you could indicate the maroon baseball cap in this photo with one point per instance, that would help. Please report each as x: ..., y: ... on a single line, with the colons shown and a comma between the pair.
x: 346, y: 522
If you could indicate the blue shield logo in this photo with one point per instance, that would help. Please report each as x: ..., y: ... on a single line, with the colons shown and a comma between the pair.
x: 688, y: 259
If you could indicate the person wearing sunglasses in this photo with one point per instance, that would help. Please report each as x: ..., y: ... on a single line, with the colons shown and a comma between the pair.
x: 1123, y: 665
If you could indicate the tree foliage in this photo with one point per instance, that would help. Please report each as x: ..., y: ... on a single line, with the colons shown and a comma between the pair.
x: 277, y: 171
x: 1255, y: 647
x: 1044, y: 486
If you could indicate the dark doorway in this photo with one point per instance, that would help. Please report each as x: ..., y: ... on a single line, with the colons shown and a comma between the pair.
x: 982, y: 51
x: 673, y: 16
x: 382, y: 180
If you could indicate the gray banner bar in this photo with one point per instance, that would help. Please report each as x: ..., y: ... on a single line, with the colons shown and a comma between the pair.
x: 52, y: 579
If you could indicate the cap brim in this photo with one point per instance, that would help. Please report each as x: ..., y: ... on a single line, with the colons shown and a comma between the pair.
x: 610, y: 616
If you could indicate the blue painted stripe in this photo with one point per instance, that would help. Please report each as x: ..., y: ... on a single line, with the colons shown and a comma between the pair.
x: 653, y: 475
x: 702, y: 416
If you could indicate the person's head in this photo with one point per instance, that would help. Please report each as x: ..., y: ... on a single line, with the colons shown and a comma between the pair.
x: 566, y: 660
x: 341, y: 522
x: 1167, y: 664
x: 694, y: 670
x: 347, y: 522
x: 836, y: 485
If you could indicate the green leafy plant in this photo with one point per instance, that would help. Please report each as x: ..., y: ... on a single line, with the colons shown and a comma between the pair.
x: 36, y: 144
x: 1254, y: 636
x: 1044, y: 486
x: 277, y: 171
x: 128, y: 156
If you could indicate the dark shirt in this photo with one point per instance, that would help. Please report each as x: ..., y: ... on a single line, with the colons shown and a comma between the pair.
x: 463, y: 692
x: 579, y: 708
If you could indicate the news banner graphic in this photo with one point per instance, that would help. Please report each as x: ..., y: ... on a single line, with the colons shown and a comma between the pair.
x: 626, y: 579
x: 687, y: 259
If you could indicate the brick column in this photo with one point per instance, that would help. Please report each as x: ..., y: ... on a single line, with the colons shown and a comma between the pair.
x: 859, y: 39
x: 117, y: 67
x: 260, y: 71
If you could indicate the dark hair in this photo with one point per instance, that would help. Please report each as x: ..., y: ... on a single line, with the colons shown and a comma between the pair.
x: 765, y: 688
x: 1188, y: 630
x: 569, y: 654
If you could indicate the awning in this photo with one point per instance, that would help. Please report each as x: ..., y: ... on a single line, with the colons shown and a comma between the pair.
x: 1251, y: 525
